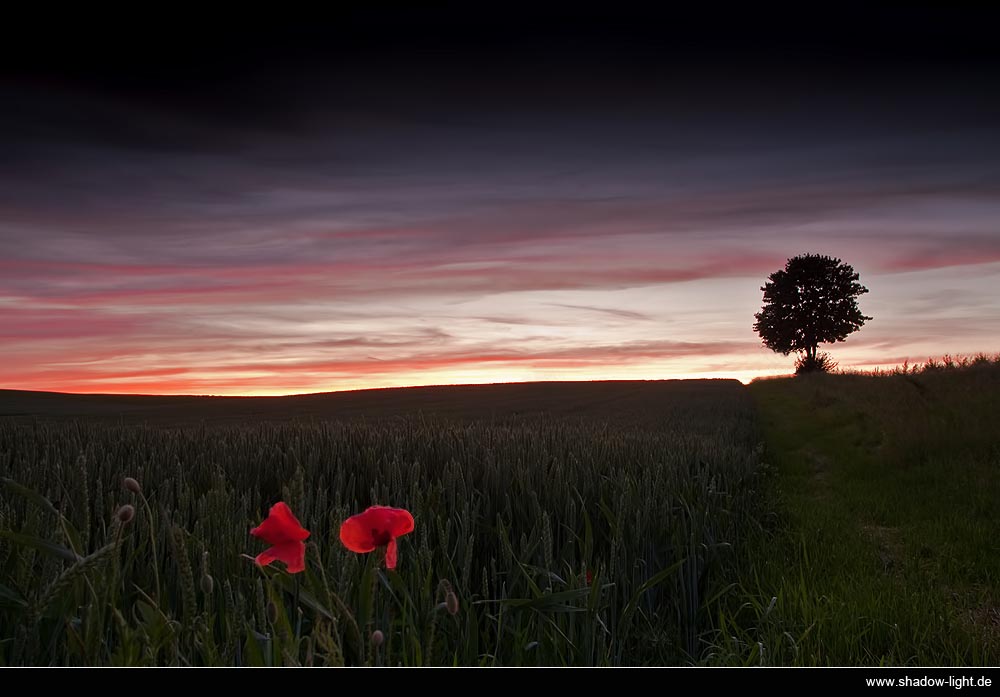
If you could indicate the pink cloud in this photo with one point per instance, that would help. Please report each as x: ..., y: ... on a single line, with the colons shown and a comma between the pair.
x: 41, y: 324
x: 943, y: 258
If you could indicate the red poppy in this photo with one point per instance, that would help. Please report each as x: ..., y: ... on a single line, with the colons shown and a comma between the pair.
x: 378, y: 526
x: 283, y: 531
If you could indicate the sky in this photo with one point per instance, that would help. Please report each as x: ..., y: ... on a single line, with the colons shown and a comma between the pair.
x: 435, y: 197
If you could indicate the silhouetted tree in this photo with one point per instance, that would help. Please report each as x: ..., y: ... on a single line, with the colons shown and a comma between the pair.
x: 812, y: 301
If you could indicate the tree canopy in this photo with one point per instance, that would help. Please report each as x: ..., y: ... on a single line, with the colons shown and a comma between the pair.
x: 812, y: 301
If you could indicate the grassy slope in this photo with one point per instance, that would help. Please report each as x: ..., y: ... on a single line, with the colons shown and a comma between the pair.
x: 887, y: 548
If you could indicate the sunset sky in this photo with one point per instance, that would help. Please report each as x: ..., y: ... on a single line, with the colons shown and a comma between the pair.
x: 418, y: 198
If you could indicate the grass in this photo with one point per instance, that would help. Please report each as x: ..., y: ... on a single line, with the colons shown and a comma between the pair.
x: 646, y: 487
x: 885, y: 544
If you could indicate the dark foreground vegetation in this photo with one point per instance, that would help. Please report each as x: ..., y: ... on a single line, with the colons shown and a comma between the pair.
x: 824, y: 519
x: 576, y: 524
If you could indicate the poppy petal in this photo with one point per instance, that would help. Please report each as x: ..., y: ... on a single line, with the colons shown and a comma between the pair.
x: 391, y: 555
x: 378, y: 518
x: 280, y: 526
x: 357, y: 535
x: 400, y: 523
x: 293, y: 554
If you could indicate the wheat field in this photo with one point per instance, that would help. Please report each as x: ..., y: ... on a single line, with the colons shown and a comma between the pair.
x: 587, y: 525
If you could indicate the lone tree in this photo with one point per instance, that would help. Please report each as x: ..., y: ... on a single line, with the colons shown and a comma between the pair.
x: 812, y: 301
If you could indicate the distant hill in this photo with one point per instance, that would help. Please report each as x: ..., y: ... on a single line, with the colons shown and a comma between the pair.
x: 454, y: 401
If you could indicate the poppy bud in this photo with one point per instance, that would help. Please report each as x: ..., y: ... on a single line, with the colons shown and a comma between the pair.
x: 451, y: 603
x: 126, y: 513
x: 272, y: 612
x: 207, y: 584
x: 132, y: 485
x: 378, y: 638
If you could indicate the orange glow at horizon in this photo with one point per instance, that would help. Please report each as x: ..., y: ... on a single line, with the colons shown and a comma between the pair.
x: 250, y: 385
x: 689, y: 329
x: 434, y: 380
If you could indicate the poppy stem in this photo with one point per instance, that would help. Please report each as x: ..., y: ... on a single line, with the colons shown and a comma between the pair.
x: 371, y: 577
x: 296, y: 610
x: 152, y: 546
